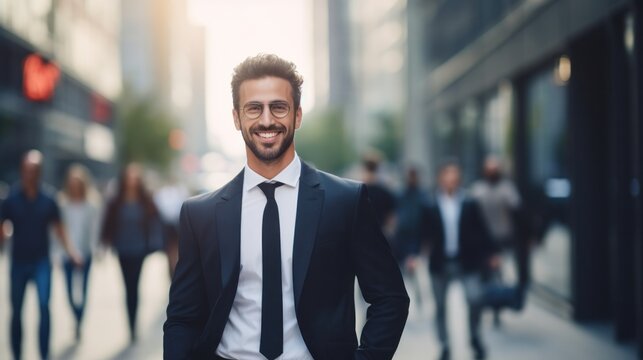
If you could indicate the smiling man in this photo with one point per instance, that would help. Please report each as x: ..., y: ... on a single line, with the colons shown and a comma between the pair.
x: 267, y: 264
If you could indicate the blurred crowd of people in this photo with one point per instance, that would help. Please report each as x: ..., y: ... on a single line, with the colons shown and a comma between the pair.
x: 125, y: 218
x: 464, y: 234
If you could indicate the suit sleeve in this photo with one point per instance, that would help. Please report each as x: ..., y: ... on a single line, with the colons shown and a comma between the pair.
x: 431, y: 226
x: 381, y: 284
x: 489, y: 247
x: 187, y: 303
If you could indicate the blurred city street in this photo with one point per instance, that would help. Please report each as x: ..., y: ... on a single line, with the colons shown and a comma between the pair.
x: 104, y: 333
x: 533, y: 334
x: 500, y: 143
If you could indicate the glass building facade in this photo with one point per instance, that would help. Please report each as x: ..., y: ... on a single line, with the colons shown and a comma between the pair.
x: 59, y: 75
x: 552, y: 87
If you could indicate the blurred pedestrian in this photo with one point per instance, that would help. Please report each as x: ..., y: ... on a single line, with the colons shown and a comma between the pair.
x: 460, y: 249
x: 382, y: 198
x: 4, y: 192
x: 32, y: 211
x: 410, y: 228
x: 133, y: 228
x: 499, y: 202
x: 169, y: 199
x: 80, y: 204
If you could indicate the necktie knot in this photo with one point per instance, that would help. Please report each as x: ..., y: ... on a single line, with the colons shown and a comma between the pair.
x: 269, y: 189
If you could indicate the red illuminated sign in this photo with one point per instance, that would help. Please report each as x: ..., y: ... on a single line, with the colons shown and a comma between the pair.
x: 101, y: 109
x: 39, y: 78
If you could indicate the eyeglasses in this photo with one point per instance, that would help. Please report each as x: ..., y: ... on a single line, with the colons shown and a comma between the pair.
x: 278, y: 109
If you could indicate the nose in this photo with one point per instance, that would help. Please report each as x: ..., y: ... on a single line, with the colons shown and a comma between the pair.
x: 266, y: 117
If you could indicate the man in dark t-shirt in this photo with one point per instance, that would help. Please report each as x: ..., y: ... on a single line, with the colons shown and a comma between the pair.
x: 31, y: 211
x: 382, y: 199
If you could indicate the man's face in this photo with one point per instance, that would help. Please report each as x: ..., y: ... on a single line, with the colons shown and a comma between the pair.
x: 492, y: 170
x: 449, y: 179
x: 268, y: 137
x: 30, y: 174
x: 412, y: 179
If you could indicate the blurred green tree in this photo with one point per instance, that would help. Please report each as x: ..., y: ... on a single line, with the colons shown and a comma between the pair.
x: 389, y: 136
x: 144, y: 126
x: 323, y: 141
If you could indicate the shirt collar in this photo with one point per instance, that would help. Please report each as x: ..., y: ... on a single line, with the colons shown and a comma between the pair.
x: 457, y: 196
x: 288, y: 176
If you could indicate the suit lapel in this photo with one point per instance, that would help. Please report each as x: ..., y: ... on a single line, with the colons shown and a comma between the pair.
x: 228, y: 215
x: 309, y: 205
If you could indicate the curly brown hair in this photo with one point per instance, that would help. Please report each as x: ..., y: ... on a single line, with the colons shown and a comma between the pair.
x: 262, y: 65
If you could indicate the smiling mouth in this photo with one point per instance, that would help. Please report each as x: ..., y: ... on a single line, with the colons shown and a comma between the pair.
x: 268, y: 135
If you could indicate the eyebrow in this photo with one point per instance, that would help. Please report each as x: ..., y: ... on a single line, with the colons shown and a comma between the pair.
x: 269, y: 103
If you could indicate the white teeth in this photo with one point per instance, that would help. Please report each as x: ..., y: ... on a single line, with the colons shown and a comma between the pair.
x: 268, y: 135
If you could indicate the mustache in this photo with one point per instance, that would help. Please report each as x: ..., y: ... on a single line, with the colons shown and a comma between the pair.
x: 273, y: 127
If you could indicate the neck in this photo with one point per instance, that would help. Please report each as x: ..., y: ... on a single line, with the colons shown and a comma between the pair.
x: 270, y: 169
x: 30, y: 191
x: 76, y: 198
x: 450, y: 192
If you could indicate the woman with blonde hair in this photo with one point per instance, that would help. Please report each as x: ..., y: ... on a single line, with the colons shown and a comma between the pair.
x: 80, y: 204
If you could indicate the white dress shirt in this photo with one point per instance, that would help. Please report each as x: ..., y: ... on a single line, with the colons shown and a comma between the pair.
x: 242, y: 333
x: 450, y: 206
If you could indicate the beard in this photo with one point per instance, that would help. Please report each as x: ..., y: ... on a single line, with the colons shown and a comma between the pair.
x: 273, y: 152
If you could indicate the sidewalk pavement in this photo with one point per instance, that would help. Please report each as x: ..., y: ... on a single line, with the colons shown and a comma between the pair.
x: 533, y: 334
x: 105, y: 332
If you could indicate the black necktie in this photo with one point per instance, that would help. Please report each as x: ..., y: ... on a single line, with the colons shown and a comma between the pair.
x: 272, y: 337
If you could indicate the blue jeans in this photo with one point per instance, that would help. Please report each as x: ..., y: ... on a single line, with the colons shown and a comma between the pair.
x: 21, y: 273
x: 78, y: 308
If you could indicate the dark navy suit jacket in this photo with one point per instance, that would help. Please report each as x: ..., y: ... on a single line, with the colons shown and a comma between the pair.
x: 475, y: 245
x: 337, y: 238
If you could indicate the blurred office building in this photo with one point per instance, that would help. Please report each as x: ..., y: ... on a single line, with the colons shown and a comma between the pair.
x: 59, y: 76
x: 378, y: 67
x: 555, y: 87
x: 360, y: 63
x: 332, y: 40
x: 163, y: 57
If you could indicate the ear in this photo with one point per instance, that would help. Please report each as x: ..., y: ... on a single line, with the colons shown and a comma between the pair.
x: 235, y: 116
x: 298, y: 118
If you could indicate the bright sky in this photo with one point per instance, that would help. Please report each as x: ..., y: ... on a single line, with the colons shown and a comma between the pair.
x: 241, y: 28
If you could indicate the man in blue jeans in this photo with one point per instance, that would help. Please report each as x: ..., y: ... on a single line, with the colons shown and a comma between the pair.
x: 31, y: 212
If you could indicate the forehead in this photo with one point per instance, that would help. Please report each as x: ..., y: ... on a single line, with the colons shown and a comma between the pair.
x: 264, y: 89
x: 450, y: 170
x: 30, y: 165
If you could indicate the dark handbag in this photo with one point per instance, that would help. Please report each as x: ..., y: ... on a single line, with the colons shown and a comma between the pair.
x: 498, y: 295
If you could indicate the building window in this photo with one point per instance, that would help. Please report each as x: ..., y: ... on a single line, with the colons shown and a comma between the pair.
x: 546, y: 115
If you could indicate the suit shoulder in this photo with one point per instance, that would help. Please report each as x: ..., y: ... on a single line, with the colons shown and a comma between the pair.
x: 470, y: 201
x: 203, y: 200
x: 330, y: 181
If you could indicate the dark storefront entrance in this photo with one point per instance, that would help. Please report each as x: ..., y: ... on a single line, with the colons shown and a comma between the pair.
x: 44, y: 108
x: 576, y: 161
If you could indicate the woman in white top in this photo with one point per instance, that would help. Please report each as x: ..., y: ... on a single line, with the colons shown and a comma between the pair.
x: 79, y: 203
